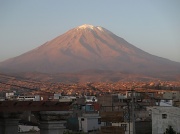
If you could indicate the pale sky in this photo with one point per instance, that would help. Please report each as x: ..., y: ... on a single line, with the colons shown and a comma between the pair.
x: 151, y: 25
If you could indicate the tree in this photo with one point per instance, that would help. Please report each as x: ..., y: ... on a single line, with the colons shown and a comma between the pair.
x: 170, y: 130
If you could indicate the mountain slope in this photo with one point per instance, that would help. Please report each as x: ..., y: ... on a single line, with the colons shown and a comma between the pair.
x: 88, y: 47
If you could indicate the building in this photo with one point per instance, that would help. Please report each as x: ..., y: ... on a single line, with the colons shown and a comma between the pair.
x: 176, y: 95
x: 128, y: 127
x: 27, y: 128
x: 9, y: 95
x: 57, y: 96
x: 67, y: 98
x: 167, y: 103
x: 170, y: 95
x: 162, y: 117
x: 90, y: 99
x: 89, y: 122
x: 113, y: 122
x: 29, y: 98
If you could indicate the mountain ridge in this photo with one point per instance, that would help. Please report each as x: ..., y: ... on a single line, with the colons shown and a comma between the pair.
x: 88, y: 47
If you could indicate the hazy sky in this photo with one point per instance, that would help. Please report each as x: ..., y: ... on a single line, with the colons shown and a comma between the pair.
x: 152, y: 25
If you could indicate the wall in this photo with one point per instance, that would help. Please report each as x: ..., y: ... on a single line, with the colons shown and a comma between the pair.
x: 143, y: 127
x: 162, y: 117
x: 126, y: 126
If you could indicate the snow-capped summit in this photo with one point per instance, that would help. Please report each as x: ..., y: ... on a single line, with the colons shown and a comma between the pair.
x: 91, y: 27
x: 85, y: 26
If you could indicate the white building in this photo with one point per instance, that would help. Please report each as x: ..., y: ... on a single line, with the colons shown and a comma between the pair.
x: 91, y: 98
x: 67, y: 98
x: 26, y: 128
x: 57, y: 96
x: 89, y: 122
x: 166, y: 103
x: 129, y: 94
x: 29, y: 98
x: 10, y: 96
x: 162, y: 117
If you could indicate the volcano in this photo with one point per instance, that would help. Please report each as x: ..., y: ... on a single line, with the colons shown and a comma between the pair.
x: 89, y: 47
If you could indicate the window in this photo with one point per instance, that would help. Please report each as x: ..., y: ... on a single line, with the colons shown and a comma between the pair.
x: 99, y: 120
x: 125, y: 126
x: 164, y: 116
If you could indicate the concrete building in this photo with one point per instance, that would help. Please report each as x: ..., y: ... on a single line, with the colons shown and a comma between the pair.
x: 90, y: 99
x: 170, y: 95
x: 176, y: 95
x: 89, y: 122
x: 26, y: 128
x: 142, y: 127
x: 162, y: 117
x: 166, y: 95
x: 57, y: 96
x: 135, y: 94
x: 9, y: 95
x: 166, y: 103
x: 127, y: 126
x: 67, y: 98
x: 29, y: 98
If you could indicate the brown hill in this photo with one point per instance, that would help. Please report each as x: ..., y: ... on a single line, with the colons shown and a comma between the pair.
x: 89, y: 47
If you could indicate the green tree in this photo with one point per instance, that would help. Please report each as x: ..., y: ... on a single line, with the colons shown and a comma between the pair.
x: 170, y: 130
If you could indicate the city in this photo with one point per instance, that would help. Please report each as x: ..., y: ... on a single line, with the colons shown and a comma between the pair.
x: 99, y: 107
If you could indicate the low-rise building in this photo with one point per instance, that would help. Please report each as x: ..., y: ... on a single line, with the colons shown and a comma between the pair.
x: 67, y: 98
x: 128, y: 127
x: 10, y: 96
x: 162, y: 117
x: 29, y: 98
x: 167, y: 103
x: 170, y: 95
x: 90, y: 99
x: 89, y: 122
x: 57, y: 96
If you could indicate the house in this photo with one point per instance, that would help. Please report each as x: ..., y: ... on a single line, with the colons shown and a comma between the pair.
x: 167, y: 103
x: 10, y: 96
x: 175, y: 95
x: 67, y: 98
x: 27, y: 128
x: 162, y: 117
x: 29, y: 98
x: 89, y: 122
x: 90, y: 99
x: 57, y: 96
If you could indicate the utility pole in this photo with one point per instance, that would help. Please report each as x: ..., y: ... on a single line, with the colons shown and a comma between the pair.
x: 133, y: 120
x: 128, y: 102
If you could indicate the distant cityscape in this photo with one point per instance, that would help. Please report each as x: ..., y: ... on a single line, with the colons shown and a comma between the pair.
x: 95, y: 107
x: 29, y: 87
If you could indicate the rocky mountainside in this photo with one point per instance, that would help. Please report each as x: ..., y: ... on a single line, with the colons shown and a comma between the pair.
x: 86, y: 48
